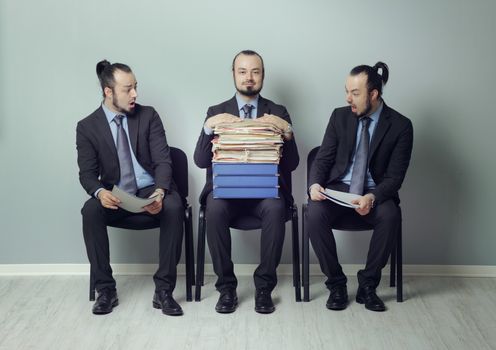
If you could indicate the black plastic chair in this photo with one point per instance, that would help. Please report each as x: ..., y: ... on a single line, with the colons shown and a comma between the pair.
x: 145, y: 222
x: 246, y: 223
x: 349, y: 223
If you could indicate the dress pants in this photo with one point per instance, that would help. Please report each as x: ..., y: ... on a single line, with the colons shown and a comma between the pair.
x: 220, y: 212
x: 96, y: 218
x: 385, y: 219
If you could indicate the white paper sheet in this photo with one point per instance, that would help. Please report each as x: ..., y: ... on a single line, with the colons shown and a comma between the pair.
x: 341, y: 198
x: 131, y: 203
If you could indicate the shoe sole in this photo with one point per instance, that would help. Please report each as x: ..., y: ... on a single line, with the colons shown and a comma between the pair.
x: 114, y: 304
x: 337, y: 308
x: 361, y: 301
x: 227, y: 311
x: 168, y: 313
x: 265, y: 311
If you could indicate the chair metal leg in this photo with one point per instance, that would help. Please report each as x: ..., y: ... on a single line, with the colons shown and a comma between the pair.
x: 392, y: 264
x: 399, y: 257
x: 92, y: 286
x: 305, y: 251
x: 188, y: 248
x: 296, y: 253
x: 200, y: 262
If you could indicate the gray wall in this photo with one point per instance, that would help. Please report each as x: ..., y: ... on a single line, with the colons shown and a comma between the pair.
x: 441, y: 56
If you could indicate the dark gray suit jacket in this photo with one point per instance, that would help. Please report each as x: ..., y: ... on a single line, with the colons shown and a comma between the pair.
x: 97, y: 154
x: 389, y: 153
x: 289, y: 160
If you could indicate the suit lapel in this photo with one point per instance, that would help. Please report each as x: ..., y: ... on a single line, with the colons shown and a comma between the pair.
x: 232, y: 107
x: 263, y: 107
x: 380, y: 130
x: 133, y: 126
x: 104, y: 126
x: 352, y: 133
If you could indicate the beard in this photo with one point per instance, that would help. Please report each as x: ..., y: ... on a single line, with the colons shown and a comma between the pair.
x: 248, y: 91
x: 120, y: 107
x: 368, y: 108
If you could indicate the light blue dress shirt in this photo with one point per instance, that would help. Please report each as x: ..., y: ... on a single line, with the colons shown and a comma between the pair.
x: 373, y: 123
x: 143, y: 179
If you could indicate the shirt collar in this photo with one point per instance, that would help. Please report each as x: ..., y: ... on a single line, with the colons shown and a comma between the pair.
x: 110, y: 115
x: 375, y: 116
x: 241, y: 103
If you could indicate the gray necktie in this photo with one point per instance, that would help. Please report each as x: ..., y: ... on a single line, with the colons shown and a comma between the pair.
x: 247, y: 111
x: 128, y: 180
x: 361, y: 159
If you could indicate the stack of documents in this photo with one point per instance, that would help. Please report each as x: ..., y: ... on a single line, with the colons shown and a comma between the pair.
x: 247, y: 142
x: 245, y: 160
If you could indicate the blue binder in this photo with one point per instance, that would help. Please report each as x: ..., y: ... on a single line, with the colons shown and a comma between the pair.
x: 244, y: 169
x: 246, y: 181
x: 245, y: 192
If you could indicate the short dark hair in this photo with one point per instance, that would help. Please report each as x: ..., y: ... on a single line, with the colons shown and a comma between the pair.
x: 249, y: 53
x: 374, y: 79
x: 105, y: 72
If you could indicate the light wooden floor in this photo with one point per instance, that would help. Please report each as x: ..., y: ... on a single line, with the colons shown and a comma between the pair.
x: 53, y: 312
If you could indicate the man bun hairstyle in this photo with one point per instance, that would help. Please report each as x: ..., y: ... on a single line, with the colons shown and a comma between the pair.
x: 105, y: 72
x: 374, y: 79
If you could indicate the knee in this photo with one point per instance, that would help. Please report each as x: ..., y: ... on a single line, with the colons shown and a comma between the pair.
x: 217, y: 209
x: 316, y: 211
x: 92, y: 208
x: 274, y: 209
x: 173, y: 205
x: 388, y: 212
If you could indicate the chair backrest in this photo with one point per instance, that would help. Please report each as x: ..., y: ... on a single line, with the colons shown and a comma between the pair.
x: 180, y: 170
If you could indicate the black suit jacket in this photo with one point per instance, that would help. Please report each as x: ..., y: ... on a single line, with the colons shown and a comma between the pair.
x: 389, y: 152
x: 97, y: 153
x: 289, y: 160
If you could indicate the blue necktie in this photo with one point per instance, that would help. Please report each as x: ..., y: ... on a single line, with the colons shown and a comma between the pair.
x: 247, y: 111
x: 361, y: 159
x: 128, y: 180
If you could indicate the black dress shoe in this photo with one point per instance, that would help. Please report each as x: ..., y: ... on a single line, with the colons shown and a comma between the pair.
x: 228, y: 301
x: 106, y: 301
x: 338, y: 299
x: 263, y: 302
x: 163, y: 300
x: 367, y: 296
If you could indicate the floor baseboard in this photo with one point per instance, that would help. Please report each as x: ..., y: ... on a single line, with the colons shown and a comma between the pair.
x: 243, y: 269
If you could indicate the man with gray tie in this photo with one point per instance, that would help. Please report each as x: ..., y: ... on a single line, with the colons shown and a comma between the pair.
x: 366, y: 150
x: 123, y: 143
x: 248, y: 73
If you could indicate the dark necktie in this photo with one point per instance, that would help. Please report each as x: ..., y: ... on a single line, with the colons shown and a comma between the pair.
x: 361, y: 159
x: 247, y: 111
x: 128, y: 180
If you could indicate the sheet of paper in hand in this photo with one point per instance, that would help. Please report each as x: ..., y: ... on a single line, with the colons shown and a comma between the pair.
x: 131, y: 203
x: 341, y: 198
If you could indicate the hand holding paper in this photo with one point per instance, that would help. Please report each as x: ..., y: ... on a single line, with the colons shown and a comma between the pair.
x: 345, y: 199
x: 278, y: 122
x: 212, y: 122
x: 131, y: 203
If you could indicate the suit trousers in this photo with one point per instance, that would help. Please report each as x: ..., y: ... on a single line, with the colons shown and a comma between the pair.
x: 96, y: 218
x: 385, y: 219
x: 220, y: 212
